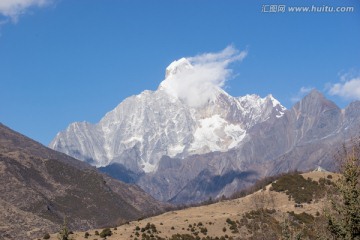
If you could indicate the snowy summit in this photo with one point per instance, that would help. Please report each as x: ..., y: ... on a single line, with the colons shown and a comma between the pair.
x: 188, y: 114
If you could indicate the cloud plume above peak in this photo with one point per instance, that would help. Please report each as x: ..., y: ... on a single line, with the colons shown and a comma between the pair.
x: 195, y: 80
x: 12, y: 9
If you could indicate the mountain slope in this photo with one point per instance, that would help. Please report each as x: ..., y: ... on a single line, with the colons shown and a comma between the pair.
x: 39, y: 187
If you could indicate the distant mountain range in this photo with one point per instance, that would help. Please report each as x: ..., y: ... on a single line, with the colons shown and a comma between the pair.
x: 39, y: 187
x: 179, y: 152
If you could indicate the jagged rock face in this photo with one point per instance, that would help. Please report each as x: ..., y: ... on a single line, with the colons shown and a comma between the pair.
x: 312, y: 119
x: 306, y: 136
x: 143, y: 128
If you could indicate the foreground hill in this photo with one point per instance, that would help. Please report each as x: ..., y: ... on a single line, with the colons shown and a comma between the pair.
x: 293, y: 198
x: 39, y: 187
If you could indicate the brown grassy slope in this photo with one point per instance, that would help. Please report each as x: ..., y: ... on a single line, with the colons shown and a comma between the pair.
x: 39, y: 186
x: 214, y: 217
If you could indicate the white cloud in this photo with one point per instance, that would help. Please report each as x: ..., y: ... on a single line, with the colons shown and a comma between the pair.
x: 302, y: 92
x: 12, y: 9
x: 195, y: 79
x: 347, y: 88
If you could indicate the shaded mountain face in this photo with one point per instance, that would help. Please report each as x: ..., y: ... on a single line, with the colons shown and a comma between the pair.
x: 39, y: 187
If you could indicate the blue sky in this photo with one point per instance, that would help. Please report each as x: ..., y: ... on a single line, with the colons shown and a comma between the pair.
x: 63, y: 60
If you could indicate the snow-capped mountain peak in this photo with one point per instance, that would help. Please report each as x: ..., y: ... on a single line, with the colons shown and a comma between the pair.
x: 177, y: 70
x: 187, y: 115
x: 194, y: 83
x: 178, y: 66
x: 143, y: 128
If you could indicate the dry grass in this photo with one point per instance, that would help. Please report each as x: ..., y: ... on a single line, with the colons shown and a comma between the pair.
x: 214, y: 216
